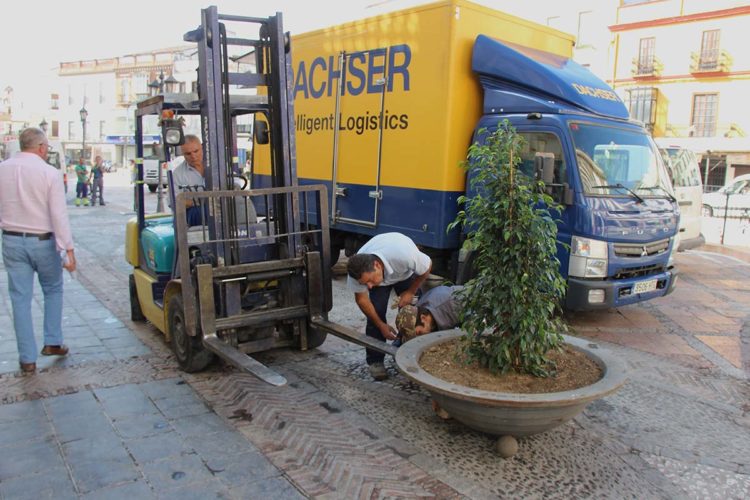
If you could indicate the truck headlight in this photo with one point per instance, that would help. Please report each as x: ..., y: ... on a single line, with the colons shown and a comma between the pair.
x: 588, y: 258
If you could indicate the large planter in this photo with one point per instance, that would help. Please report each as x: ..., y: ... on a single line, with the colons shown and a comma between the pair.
x: 502, y: 413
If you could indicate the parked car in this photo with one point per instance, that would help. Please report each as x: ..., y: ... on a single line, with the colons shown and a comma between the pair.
x: 733, y: 200
x: 684, y: 172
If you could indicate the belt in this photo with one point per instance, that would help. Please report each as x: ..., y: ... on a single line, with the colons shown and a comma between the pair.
x: 42, y: 237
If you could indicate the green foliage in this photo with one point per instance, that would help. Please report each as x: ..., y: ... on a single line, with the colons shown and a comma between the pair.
x: 509, y: 307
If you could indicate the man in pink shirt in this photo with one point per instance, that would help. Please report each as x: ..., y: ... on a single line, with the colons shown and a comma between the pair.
x: 36, y: 239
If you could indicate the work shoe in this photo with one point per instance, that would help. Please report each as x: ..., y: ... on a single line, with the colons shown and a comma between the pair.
x: 28, y: 367
x: 377, y: 371
x: 78, y: 202
x: 55, y: 350
x: 102, y: 204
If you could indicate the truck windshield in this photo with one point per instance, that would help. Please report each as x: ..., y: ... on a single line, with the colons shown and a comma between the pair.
x: 614, y: 161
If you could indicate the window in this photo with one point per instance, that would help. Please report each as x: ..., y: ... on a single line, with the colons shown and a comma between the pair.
x: 709, y: 59
x: 54, y: 101
x: 102, y: 129
x: 55, y: 128
x: 101, y: 93
x: 705, y: 107
x: 542, y: 142
x: 646, y: 56
x: 641, y: 104
x: 72, y: 136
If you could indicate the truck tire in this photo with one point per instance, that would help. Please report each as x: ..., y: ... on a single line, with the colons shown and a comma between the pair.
x: 189, y: 351
x: 152, y: 187
x: 136, y: 314
x: 466, y: 269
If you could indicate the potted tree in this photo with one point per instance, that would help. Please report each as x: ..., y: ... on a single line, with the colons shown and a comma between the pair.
x: 510, y: 371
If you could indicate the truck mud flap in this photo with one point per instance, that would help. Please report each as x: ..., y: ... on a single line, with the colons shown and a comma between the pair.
x: 242, y: 361
x: 352, y: 336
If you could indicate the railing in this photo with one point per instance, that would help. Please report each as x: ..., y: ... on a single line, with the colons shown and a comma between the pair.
x: 716, y: 61
x: 652, y: 67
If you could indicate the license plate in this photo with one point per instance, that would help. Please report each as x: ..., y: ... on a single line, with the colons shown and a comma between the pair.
x: 644, y: 286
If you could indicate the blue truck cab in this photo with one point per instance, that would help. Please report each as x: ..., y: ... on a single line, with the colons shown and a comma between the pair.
x: 616, y: 234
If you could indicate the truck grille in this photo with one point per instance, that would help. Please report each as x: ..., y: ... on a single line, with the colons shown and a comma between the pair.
x: 642, y: 250
x: 636, y: 272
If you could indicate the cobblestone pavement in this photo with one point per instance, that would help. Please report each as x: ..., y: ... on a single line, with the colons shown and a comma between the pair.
x: 116, y: 419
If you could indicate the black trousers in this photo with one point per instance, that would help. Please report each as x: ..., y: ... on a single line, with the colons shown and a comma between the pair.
x: 379, y: 296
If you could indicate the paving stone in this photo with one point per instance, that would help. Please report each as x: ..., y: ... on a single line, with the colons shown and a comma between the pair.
x: 126, y: 406
x: 237, y: 470
x: 275, y: 488
x: 199, y: 424
x: 94, y: 450
x: 174, y: 472
x: 216, y: 444
x: 90, y: 476
x: 21, y: 411
x: 156, y: 447
x: 54, y: 484
x: 83, y: 426
x: 29, y: 458
x: 30, y: 429
x: 167, y: 388
x: 72, y: 405
x: 134, y: 490
x: 135, y: 426
x: 129, y: 352
x: 211, y: 489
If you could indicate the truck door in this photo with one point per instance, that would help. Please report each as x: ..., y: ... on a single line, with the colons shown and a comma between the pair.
x: 358, y: 137
x: 548, y: 141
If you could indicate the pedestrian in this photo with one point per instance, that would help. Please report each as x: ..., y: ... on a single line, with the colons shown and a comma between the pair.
x: 82, y: 184
x: 389, y: 261
x: 436, y: 309
x: 189, y: 176
x: 36, y: 239
x: 97, y: 181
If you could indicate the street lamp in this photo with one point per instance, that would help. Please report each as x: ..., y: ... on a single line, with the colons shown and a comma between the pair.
x: 43, y: 125
x: 84, y: 114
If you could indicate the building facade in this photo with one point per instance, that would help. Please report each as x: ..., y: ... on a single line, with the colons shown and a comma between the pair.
x: 682, y: 68
x: 108, y: 90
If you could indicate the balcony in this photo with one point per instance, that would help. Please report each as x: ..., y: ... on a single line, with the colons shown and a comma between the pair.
x: 729, y: 130
x: 646, y: 68
x: 710, y: 63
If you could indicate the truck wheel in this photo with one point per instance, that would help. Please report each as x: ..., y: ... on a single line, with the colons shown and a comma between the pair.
x: 136, y: 314
x: 335, y: 252
x: 189, y: 351
x: 466, y: 270
x: 152, y: 187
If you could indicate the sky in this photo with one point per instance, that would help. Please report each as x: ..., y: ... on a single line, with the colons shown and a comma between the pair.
x: 37, y: 36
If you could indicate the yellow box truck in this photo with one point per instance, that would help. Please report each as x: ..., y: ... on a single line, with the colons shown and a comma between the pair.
x: 386, y: 107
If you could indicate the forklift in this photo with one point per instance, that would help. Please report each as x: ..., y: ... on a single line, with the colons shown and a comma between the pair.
x: 254, y: 274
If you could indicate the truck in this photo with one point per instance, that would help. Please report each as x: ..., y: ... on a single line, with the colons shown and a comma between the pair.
x: 386, y: 107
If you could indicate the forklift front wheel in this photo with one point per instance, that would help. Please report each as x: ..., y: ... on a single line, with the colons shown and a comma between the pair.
x: 136, y: 314
x: 189, y: 351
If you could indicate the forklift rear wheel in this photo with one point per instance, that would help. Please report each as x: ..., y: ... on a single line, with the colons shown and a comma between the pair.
x: 189, y: 351
x: 315, y: 338
x: 136, y: 314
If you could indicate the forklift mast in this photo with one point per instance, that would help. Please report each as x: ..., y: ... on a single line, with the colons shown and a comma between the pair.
x: 273, y: 81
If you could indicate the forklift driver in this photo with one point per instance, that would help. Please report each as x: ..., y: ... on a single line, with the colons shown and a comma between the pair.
x: 189, y: 176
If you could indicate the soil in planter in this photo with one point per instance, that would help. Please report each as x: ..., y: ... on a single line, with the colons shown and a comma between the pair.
x: 574, y: 370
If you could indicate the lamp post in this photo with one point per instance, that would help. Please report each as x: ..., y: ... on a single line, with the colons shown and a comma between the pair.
x: 44, y: 125
x: 84, y: 114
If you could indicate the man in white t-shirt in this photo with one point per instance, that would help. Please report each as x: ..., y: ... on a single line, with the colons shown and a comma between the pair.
x: 388, y: 261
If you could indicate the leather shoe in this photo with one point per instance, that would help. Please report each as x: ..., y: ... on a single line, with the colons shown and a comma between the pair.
x: 55, y: 350
x: 28, y: 367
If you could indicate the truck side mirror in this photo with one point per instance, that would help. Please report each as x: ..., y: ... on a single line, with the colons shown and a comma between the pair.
x: 261, y: 132
x: 544, y: 167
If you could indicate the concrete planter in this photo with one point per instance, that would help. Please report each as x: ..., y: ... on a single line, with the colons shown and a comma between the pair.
x: 508, y: 414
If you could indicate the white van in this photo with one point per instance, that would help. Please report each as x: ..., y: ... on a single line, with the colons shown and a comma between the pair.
x: 686, y: 180
x: 55, y: 156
